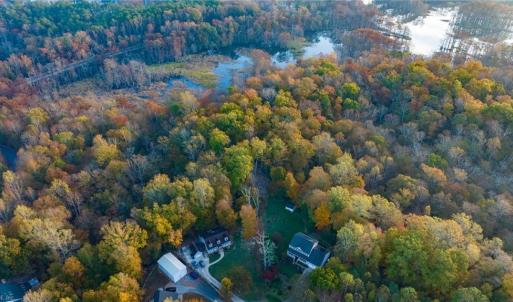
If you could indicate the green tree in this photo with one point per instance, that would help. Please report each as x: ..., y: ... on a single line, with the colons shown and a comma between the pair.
x: 408, y: 294
x: 226, y: 289
x: 12, y: 258
x: 103, y: 151
x: 468, y: 294
x: 158, y: 190
x: 350, y: 90
x: 238, y: 163
x: 242, y: 280
x: 167, y: 222
x: 218, y: 140
x: 128, y: 233
x: 413, y: 260
x: 119, y: 288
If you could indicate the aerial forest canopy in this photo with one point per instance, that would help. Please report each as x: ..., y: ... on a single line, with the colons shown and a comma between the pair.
x: 44, y: 38
x: 401, y: 163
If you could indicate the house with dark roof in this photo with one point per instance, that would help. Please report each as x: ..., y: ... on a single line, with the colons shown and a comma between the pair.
x: 214, y: 240
x: 306, y: 252
x: 13, y: 291
x: 162, y: 294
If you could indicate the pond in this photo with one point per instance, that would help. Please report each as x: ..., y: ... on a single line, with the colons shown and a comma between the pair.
x: 427, y: 33
x: 321, y: 46
x: 454, y: 29
x: 236, y: 69
x: 178, y: 81
x: 227, y: 71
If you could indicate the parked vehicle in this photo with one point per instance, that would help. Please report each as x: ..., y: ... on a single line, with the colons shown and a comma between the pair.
x: 194, y: 275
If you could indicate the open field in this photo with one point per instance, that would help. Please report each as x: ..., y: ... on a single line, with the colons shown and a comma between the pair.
x: 197, y: 68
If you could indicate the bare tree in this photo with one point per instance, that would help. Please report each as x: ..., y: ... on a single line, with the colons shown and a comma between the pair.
x: 138, y: 167
x: 266, y: 247
x: 252, y: 196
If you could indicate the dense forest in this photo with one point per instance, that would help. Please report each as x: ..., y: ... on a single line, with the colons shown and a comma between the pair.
x: 73, y: 39
x: 402, y: 163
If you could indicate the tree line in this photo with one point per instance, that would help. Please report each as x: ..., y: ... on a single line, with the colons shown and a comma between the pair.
x: 40, y: 37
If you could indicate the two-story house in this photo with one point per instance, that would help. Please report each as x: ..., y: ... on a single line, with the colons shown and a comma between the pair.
x: 306, y: 252
x: 215, y: 239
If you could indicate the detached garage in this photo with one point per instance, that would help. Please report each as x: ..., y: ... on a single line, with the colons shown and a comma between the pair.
x: 172, y: 267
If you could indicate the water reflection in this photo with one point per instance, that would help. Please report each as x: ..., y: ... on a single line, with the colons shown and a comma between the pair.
x: 463, y: 31
x: 183, y: 81
x: 232, y: 70
x: 283, y: 58
x: 427, y: 33
x: 322, y: 46
x: 440, y: 29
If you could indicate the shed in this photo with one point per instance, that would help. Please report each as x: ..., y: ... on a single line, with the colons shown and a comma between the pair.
x: 289, y: 206
x: 172, y: 267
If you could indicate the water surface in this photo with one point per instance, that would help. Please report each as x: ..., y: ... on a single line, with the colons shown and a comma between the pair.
x: 428, y: 32
x: 321, y: 46
x: 227, y: 71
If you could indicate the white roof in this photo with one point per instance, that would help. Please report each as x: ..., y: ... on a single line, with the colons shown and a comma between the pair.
x: 172, y: 265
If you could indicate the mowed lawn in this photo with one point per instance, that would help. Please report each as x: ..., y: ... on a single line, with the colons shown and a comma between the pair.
x: 278, y: 223
x: 240, y: 254
x: 283, y: 224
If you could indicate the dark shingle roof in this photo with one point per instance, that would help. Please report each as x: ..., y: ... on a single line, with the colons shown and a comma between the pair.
x: 12, y: 291
x: 318, y: 255
x: 308, y: 249
x: 302, y: 244
x: 216, y: 237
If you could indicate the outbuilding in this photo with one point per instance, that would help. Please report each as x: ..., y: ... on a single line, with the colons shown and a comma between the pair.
x: 172, y: 267
x: 289, y: 206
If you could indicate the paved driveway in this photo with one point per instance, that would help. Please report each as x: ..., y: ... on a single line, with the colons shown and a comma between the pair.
x: 205, y: 274
x: 196, y: 286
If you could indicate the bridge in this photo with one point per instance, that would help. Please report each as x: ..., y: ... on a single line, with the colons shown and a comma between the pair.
x: 74, y: 65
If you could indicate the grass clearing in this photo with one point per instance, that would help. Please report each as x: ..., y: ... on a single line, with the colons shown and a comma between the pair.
x: 196, y: 68
x: 240, y: 254
x: 280, y: 223
x: 277, y: 220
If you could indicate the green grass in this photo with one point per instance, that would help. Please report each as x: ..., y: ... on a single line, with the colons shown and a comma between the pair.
x: 297, y: 45
x: 240, y: 255
x: 198, y: 72
x: 276, y: 221
x: 213, y: 257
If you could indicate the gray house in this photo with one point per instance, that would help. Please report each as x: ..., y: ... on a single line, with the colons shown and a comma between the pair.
x: 215, y: 239
x: 14, y: 290
x: 306, y: 252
